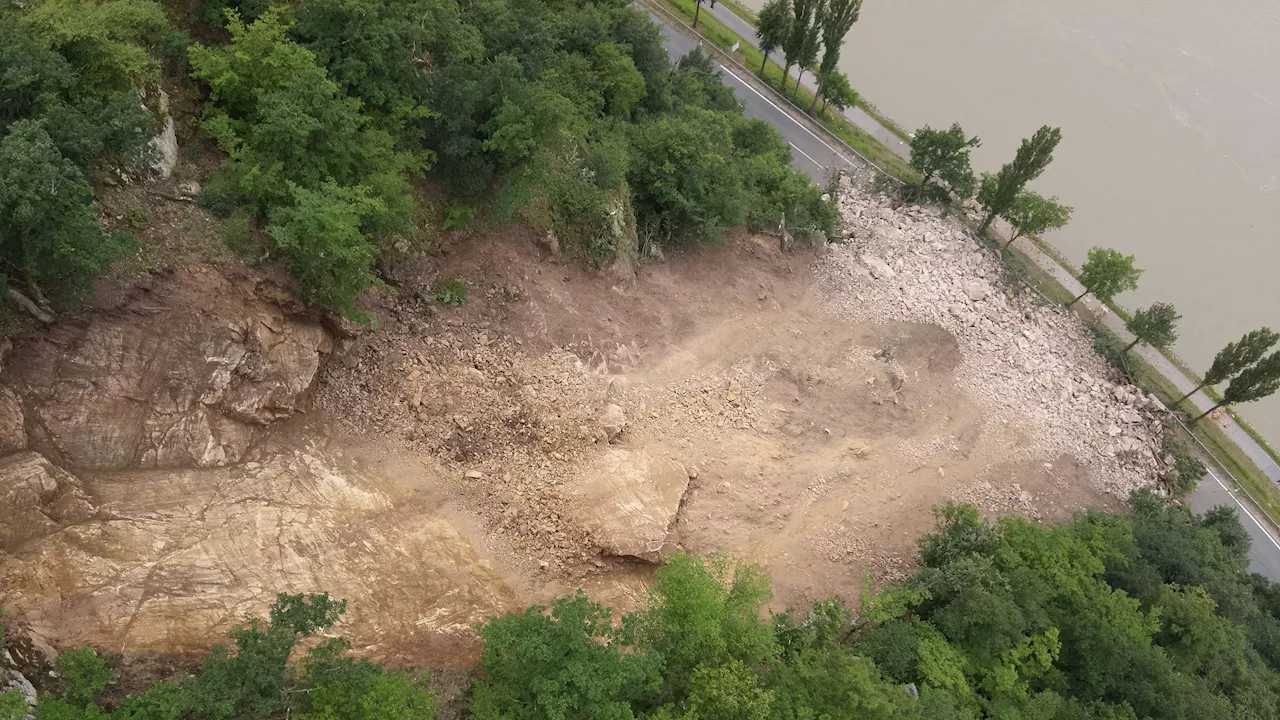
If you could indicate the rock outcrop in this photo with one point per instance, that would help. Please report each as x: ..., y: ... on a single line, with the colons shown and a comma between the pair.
x: 37, y: 497
x: 628, y: 502
x: 181, y: 376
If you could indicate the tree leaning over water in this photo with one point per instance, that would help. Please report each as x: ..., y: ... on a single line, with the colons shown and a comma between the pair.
x: 1253, y: 383
x: 999, y: 191
x: 1237, y: 356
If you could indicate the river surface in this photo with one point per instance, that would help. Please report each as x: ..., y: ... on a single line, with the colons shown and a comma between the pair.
x: 1170, y: 113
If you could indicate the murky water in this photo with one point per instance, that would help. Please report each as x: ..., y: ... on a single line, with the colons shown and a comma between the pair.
x: 1170, y: 114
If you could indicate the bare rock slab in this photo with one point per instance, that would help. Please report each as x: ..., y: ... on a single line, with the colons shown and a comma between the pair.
x: 37, y: 497
x: 180, y: 376
x: 628, y: 501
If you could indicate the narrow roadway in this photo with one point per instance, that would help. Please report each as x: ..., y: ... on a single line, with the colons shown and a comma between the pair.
x: 814, y: 156
x: 810, y: 153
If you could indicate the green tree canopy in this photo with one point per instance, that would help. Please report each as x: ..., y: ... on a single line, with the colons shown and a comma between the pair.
x: 1237, y: 356
x: 945, y: 154
x: 1033, y: 156
x: 1255, y: 382
x: 1156, y: 325
x: 837, y: 19
x: 1107, y: 273
x: 1033, y: 214
x: 837, y: 91
x: 773, y: 28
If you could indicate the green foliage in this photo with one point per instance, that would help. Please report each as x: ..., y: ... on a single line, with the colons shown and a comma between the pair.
x: 835, y: 18
x: 1186, y: 469
x: 48, y: 234
x: 449, y: 291
x: 1034, y: 155
x: 105, y: 41
x: 13, y: 706
x: 321, y: 234
x: 67, y: 105
x: 1255, y: 382
x: 837, y: 92
x: 1238, y: 355
x: 695, y: 619
x: 944, y: 153
x: 568, y: 663
x: 1156, y: 325
x: 773, y: 27
x: 84, y: 674
x: 1032, y: 214
x: 345, y: 688
x: 304, y: 156
x: 1107, y: 273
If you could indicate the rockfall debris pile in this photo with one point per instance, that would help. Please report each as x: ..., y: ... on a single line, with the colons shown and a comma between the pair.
x: 1030, y: 364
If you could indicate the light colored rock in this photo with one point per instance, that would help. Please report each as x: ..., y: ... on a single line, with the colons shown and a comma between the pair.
x: 189, y: 189
x: 165, y: 143
x: 613, y: 421
x: 628, y: 502
x: 977, y: 290
x: 173, y: 550
x: 879, y: 268
x: 180, y: 377
x: 37, y: 497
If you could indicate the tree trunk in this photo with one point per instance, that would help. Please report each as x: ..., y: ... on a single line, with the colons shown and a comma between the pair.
x: 1130, y: 345
x: 1077, y: 298
x: 816, y: 93
x: 1193, y: 392
x: 33, y: 309
x: 786, y: 72
x: 986, y: 222
x: 764, y: 62
x: 824, y: 105
x: 697, y: 8
x: 1008, y: 244
x: 1206, y: 412
x: 796, y: 95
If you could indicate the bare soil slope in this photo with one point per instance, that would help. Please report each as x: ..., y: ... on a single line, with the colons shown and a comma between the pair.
x: 565, y: 428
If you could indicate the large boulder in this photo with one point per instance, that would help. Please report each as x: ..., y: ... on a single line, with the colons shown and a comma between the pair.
x: 179, y: 376
x: 37, y: 497
x: 628, y: 502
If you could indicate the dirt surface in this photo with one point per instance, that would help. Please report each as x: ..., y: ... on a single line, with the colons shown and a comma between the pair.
x: 443, y: 472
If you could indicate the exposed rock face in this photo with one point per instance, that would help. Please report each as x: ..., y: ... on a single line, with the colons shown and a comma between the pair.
x: 165, y: 143
x: 13, y: 433
x: 179, y: 377
x: 176, y: 558
x: 628, y: 502
x: 36, y: 498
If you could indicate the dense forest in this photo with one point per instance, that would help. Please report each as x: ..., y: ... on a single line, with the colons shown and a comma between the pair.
x: 1149, y: 615
x: 565, y: 115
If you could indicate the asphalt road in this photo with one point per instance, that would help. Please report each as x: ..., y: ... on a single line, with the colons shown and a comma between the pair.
x: 855, y: 115
x: 814, y: 156
x: 810, y: 154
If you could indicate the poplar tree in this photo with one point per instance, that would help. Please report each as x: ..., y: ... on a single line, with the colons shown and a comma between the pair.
x: 1157, y: 326
x: 837, y: 20
x: 773, y: 28
x: 998, y: 192
x: 1237, y: 356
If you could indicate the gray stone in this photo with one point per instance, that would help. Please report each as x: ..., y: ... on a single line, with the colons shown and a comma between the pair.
x: 880, y: 269
x: 628, y: 502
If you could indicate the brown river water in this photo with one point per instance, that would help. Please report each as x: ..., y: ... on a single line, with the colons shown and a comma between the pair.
x: 1170, y: 113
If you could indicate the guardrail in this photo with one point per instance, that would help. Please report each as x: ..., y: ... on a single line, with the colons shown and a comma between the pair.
x: 655, y: 6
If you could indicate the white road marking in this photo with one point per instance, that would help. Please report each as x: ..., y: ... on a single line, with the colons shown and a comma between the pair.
x: 787, y: 114
x: 1245, y: 508
x: 815, y: 162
